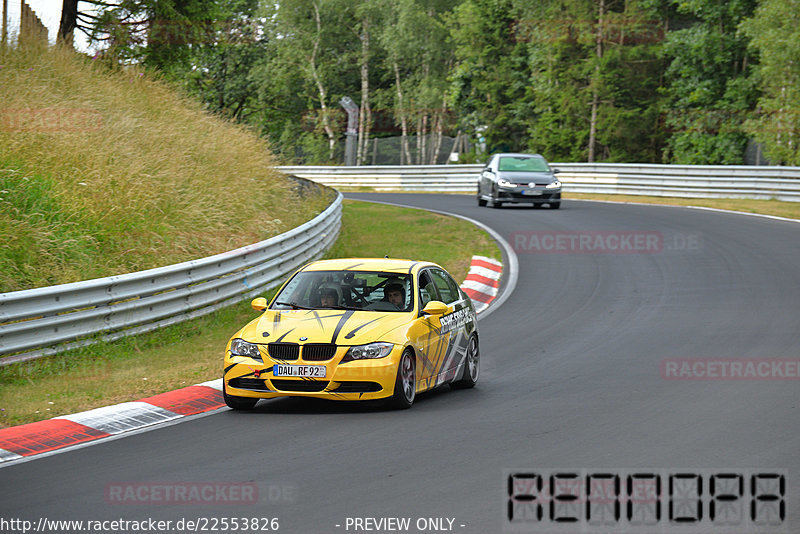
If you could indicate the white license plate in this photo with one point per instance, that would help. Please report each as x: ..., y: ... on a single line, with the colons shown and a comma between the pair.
x: 304, y: 371
x: 531, y: 192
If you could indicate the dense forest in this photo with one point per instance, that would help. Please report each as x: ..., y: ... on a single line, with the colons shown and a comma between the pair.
x: 661, y: 81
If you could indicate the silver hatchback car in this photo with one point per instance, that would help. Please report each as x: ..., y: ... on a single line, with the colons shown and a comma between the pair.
x: 519, y: 179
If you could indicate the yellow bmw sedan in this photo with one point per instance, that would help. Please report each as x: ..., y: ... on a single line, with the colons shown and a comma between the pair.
x: 355, y: 329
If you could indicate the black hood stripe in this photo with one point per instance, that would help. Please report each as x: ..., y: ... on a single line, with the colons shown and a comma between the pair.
x: 284, y: 335
x: 315, y: 316
x: 354, y: 330
x: 345, y: 317
x: 319, y: 321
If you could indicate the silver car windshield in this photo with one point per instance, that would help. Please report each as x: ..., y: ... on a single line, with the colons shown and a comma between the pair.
x: 522, y: 164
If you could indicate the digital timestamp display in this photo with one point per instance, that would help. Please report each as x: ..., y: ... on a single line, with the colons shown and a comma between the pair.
x: 673, y: 501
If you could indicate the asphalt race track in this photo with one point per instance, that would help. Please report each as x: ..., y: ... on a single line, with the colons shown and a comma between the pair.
x: 608, y: 358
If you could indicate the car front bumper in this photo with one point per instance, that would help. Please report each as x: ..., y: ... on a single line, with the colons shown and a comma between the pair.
x: 367, y: 379
x: 527, y: 195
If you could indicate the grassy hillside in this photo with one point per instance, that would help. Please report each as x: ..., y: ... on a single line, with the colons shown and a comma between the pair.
x: 105, y: 172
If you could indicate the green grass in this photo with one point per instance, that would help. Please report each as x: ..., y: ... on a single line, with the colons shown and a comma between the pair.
x: 107, y: 171
x: 191, y: 352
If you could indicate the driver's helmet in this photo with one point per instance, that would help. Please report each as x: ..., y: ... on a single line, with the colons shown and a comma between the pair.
x: 330, y: 290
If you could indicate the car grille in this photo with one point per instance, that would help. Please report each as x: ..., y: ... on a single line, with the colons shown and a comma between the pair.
x: 312, y: 352
x: 358, y: 387
x: 317, y: 352
x: 305, y: 386
x: 253, y: 384
x: 284, y: 351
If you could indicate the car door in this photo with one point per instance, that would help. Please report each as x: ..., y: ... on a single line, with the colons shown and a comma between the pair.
x: 426, y: 334
x: 455, y: 326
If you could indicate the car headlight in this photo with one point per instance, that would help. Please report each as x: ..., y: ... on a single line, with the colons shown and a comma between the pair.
x: 505, y: 183
x: 370, y: 351
x: 553, y: 185
x: 240, y: 347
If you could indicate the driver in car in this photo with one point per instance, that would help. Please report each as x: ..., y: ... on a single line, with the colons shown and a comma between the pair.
x: 395, y: 295
x: 328, y: 298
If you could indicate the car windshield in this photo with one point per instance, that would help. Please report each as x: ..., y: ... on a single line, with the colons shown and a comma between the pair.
x: 522, y: 164
x: 358, y: 290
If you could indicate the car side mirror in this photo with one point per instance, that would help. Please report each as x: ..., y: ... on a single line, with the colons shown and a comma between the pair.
x: 259, y: 304
x: 556, y: 171
x: 435, y: 307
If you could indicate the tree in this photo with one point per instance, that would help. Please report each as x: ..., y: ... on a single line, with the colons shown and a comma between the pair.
x: 311, y: 44
x: 594, y: 79
x: 417, y: 59
x: 221, y: 65
x: 369, y: 15
x: 775, y: 33
x: 154, y: 33
x: 491, y: 73
x: 710, y: 89
x: 69, y: 21
x: 396, y: 38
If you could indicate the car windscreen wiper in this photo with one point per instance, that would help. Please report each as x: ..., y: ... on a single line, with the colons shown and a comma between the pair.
x: 294, y: 305
x: 344, y: 308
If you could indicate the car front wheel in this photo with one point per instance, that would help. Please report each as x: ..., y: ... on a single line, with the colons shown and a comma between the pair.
x: 481, y: 201
x: 238, y: 403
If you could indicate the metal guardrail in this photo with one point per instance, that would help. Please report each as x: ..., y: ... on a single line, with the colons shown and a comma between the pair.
x: 693, y: 181
x: 433, y: 178
x: 43, y: 321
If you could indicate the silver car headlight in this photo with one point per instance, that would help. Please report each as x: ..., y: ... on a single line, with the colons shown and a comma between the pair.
x: 505, y: 183
x: 553, y: 185
x: 370, y: 351
x: 240, y: 347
